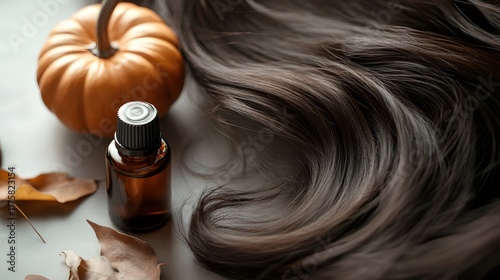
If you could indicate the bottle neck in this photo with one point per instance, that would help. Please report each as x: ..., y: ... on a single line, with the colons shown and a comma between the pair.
x: 138, y: 153
x: 150, y: 155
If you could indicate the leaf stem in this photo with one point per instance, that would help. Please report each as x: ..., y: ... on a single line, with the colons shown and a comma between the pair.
x: 32, y: 226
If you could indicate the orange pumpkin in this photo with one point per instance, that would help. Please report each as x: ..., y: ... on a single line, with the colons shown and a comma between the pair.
x: 85, y: 75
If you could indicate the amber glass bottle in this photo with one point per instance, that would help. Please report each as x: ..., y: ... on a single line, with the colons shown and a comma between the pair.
x: 138, y: 170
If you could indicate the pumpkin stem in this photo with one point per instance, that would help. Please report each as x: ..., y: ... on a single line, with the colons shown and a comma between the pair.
x: 103, y: 47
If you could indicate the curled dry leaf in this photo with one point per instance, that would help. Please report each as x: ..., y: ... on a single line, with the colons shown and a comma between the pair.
x: 58, y: 187
x: 123, y: 257
x: 97, y: 268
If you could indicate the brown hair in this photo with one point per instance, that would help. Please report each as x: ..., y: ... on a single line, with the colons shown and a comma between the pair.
x: 395, y: 134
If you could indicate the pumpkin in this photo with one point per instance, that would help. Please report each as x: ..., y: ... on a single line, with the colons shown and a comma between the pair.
x: 85, y: 73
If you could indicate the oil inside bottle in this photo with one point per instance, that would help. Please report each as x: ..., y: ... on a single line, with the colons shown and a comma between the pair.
x: 138, y: 170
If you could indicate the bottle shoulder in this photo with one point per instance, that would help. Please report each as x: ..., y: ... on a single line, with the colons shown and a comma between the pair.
x: 138, y: 166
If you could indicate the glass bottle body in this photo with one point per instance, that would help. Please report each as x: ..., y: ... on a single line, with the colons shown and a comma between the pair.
x: 138, y: 189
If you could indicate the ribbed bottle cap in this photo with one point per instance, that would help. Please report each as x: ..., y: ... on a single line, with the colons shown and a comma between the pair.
x: 137, y: 129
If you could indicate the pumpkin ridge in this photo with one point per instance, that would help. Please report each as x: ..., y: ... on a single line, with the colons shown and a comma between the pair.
x: 167, y: 65
x: 143, y: 16
x: 66, y: 49
x: 68, y: 91
x: 149, y: 49
x: 101, y: 67
x: 58, y: 65
x: 118, y: 20
x: 144, y: 60
x: 125, y: 70
x: 69, y: 38
x: 82, y: 94
x: 68, y: 27
x: 60, y: 31
x: 156, y: 30
x: 83, y: 22
x: 150, y: 70
x: 52, y: 55
x: 152, y: 16
x: 159, y: 58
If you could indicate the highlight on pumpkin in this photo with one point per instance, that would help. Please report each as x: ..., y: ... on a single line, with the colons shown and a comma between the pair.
x: 105, y: 56
x: 393, y: 152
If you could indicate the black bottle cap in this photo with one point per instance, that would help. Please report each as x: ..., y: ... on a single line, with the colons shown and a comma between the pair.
x: 137, y: 129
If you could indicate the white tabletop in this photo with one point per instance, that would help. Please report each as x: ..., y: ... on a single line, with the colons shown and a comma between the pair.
x: 34, y: 141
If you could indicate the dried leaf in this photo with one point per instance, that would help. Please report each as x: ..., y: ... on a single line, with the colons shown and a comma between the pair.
x: 98, y: 268
x: 123, y: 257
x: 35, y: 277
x: 47, y: 187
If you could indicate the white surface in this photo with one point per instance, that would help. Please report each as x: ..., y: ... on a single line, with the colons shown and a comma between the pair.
x: 34, y: 141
